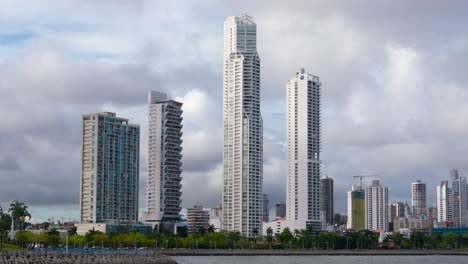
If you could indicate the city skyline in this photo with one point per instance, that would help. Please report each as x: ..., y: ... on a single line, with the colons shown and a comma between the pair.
x: 394, y: 91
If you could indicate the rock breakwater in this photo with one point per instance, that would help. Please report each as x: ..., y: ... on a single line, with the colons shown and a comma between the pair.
x: 84, y: 259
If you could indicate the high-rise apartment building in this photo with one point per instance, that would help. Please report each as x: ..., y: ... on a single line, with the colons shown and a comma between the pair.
x: 197, y: 219
x: 303, y: 150
x: 109, y: 169
x: 376, y: 207
x: 452, y: 201
x: 326, y: 200
x: 418, y: 197
x: 356, y: 209
x: 266, y: 208
x: 163, y: 188
x: 243, y: 129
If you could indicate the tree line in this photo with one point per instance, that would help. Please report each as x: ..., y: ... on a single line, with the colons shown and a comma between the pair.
x: 206, y: 238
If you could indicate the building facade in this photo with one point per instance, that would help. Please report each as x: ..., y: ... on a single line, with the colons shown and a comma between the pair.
x: 376, y: 207
x: 109, y: 169
x: 418, y: 197
x: 452, y: 202
x: 303, y: 149
x: 197, y: 219
x: 356, y: 210
x: 326, y: 200
x: 163, y: 187
x: 243, y: 129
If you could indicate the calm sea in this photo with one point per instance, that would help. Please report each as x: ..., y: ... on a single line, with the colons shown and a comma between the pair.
x: 322, y: 259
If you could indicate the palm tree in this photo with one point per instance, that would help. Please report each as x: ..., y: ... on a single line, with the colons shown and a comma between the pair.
x: 72, y: 231
x: 19, y: 212
x: 5, y: 223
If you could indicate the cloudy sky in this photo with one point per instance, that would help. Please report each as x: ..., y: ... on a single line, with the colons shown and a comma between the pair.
x: 394, y: 75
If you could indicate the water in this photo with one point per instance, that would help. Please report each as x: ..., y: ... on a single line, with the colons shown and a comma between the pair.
x: 321, y: 259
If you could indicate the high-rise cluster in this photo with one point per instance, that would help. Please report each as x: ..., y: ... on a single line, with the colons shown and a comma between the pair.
x: 452, y: 201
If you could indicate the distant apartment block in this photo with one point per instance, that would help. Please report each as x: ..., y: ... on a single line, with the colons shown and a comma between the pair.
x: 109, y: 169
x: 376, y: 207
x: 326, y: 200
x: 197, y: 219
x: 395, y: 210
x: 418, y: 198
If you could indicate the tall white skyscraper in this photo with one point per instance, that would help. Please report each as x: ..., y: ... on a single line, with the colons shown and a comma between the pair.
x: 163, y: 188
x: 452, y: 200
x: 376, y: 207
x: 243, y: 129
x: 110, y: 156
x: 418, y: 197
x: 303, y: 150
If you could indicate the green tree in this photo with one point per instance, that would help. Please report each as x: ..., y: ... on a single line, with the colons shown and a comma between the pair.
x: 285, y: 237
x: 269, y: 235
x: 19, y: 212
x: 100, y: 238
x: 24, y: 237
x: 53, y: 238
x: 449, y: 239
x: 417, y: 239
x: 232, y: 238
x: 5, y: 223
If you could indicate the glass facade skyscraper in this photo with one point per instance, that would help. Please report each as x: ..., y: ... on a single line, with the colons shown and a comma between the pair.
x: 109, y: 169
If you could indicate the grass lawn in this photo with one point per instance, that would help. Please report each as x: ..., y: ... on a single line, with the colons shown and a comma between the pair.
x: 8, y: 247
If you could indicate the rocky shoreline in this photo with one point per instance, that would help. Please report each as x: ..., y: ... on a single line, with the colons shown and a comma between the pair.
x: 84, y: 259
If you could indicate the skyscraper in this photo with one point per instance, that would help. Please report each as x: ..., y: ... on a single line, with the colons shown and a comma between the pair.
x: 163, y: 188
x: 243, y: 129
x: 376, y: 207
x: 303, y: 150
x: 109, y: 169
x: 418, y: 197
x: 452, y: 201
x: 266, y: 208
x: 326, y: 200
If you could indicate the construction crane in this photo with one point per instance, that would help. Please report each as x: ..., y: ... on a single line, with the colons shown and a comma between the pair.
x: 364, y: 176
